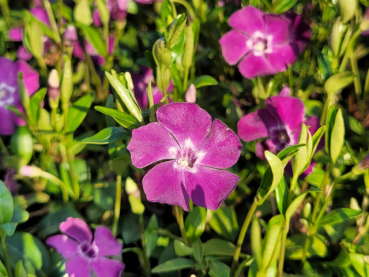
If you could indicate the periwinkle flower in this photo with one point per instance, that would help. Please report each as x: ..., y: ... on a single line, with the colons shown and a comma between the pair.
x: 263, y: 44
x: 9, y: 91
x: 278, y: 124
x: 84, y: 252
x: 196, y: 152
x: 140, y: 84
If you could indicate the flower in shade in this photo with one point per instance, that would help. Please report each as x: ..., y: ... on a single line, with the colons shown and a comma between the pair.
x: 84, y: 252
x: 278, y: 124
x: 263, y: 44
x: 196, y: 152
x: 140, y: 84
x: 9, y: 91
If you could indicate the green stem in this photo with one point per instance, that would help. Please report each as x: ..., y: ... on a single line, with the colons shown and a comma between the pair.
x: 185, y: 78
x: 349, y: 49
x: 51, y: 17
x: 181, y: 224
x: 6, y: 258
x: 56, y: 180
x: 362, y: 232
x: 3, y: 148
x: 317, y: 201
x: 118, y: 198
x: 147, y: 265
x: 283, y: 250
x: 5, y: 10
x: 187, y: 6
x: 304, y: 250
x: 241, y: 236
x: 72, y: 176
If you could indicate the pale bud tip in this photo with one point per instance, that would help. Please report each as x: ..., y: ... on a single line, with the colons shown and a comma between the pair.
x: 190, y: 96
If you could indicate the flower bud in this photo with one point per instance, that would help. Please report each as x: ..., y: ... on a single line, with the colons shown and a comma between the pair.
x: 347, y: 9
x: 190, y: 95
x: 54, y: 89
x: 70, y: 35
x: 162, y: 54
x: 365, y: 23
x: 30, y: 171
x: 21, y: 144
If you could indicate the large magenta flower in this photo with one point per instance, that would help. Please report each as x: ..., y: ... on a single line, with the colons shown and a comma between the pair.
x: 279, y: 124
x: 263, y: 44
x: 195, y: 150
x: 9, y: 91
x: 82, y: 252
x: 140, y: 84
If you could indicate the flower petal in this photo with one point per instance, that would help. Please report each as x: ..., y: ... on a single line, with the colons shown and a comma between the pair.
x: 290, y: 110
x: 66, y: 246
x: 30, y: 76
x: 164, y: 184
x: 104, y: 267
x: 252, y: 66
x: 77, y: 229
x: 256, y: 125
x: 16, y: 33
x: 108, y: 245
x: 186, y: 121
x: 278, y: 28
x: 247, y: 20
x: 285, y: 92
x: 78, y: 266
x: 234, y: 46
x: 282, y: 55
x: 41, y: 15
x: 314, y: 123
x: 7, y: 125
x: 221, y: 147
x: 9, y: 76
x: 208, y: 187
x: 23, y: 53
x: 262, y: 146
x: 151, y: 143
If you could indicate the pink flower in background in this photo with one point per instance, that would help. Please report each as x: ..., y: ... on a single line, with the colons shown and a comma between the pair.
x: 190, y: 95
x: 140, y: 84
x: 263, y: 44
x: 196, y: 152
x: 279, y: 124
x: 84, y: 252
x: 9, y: 91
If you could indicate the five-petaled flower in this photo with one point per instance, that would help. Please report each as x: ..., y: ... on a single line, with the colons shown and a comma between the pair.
x: 9, y: 91
x: 82, y: 252
x: 279, y: 124
x: 263, y: 44
x: 195, y: 149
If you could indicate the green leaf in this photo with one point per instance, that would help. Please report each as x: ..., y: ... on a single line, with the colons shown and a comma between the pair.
x: 195, y: 223
x: 294, y: 245
x: 78, y: 112
x: 20, y: 271
x: 284, y: 5
x: 35, y: 104
x: 103, y: 11
x: 125, y: 120
x: 338, y: 81
x: 338, y: 216
x: 347, y: 9
x: 176, y: 30
x: 151, y: 235
x: 331, y: 117
x: 357, y: 261
x: 218, y: 269
x: 181, y: 249
x: 198, y: 250
x: 66, y: 85
x: 343, y: 259
x: 34, y: 38
x: 218, y: 247
x: 136, y: 205
x: 316, y: 139
x: 173, y: 265
x: 6, y: 204
x: 296, y: 203
x: 316, y: 177
x: 281, y: 196
x: 82, y: 12
x: 337, y: 136
x: 256, y: 240
x: 204, y: 81
x: 300, y: 160
x: 3, y: 270
x: 107, y: 135
x: 94, y: 37
x: 224, y: 222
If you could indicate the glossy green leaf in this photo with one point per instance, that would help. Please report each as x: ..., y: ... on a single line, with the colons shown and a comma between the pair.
x: 218, y: 247
x: 224, y: 222
x: 198, y: 250
x: 3, y: 270
x: 281, y: 196
x: 204, y: 81
x: 151, y: 235
x: 337, y: 216
x: 176, y: 30
x: 359, y: 264
x: 347, y: 9
x: 82, y: 12
x: 173, y: 265
x: 337, y: 136
x: 343, y: 259
x: 78, y: 112
x: 316, y: 177
x: 195, y: 223
x: 6, y: 204
x: 338, y: 81
x: 94, y: 37
x: 256, y: 240
x: 295, y: 243
x: 300, y: 160
x: 125, y: 120
x: 218, y: 269
x: 20, y: 270
x: 284, y: 5
x: 35, y: 104
x: 107, y: 135
x: 331, y: 117
x: 181, y: 249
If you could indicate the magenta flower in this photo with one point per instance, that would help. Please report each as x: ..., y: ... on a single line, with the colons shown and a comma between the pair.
x: 140, y: 84
x: 263, y: 44
x: 82, y: 252
x: 9, y: 91
x: 195, y: 149
x: 279, y: 124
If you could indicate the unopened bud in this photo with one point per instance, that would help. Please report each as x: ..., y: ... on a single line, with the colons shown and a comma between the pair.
x: 54, y: 89
x: 365, y: 23
x: 132, y: 189
x: 129, y: 80
x: 30, y: 171
x: 70, y: 35
x: 347, y: 9
x: 162, y: 54
x: 190, y: 95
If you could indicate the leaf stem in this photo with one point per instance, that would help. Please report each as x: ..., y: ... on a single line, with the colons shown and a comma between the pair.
x: 6, y: 258
x: 118, y: 198
x: 188, y: 8
x: 241, y: 237
x: 51, y: 17
x: 180, y: 220
x: 283, y: 249
x: 147, y: 265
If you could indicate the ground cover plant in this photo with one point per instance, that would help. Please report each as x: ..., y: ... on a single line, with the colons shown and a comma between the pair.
x: 184, y: 138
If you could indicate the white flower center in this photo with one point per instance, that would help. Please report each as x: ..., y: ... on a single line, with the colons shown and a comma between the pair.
x: 6, y: 94
x: 260, y: 43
